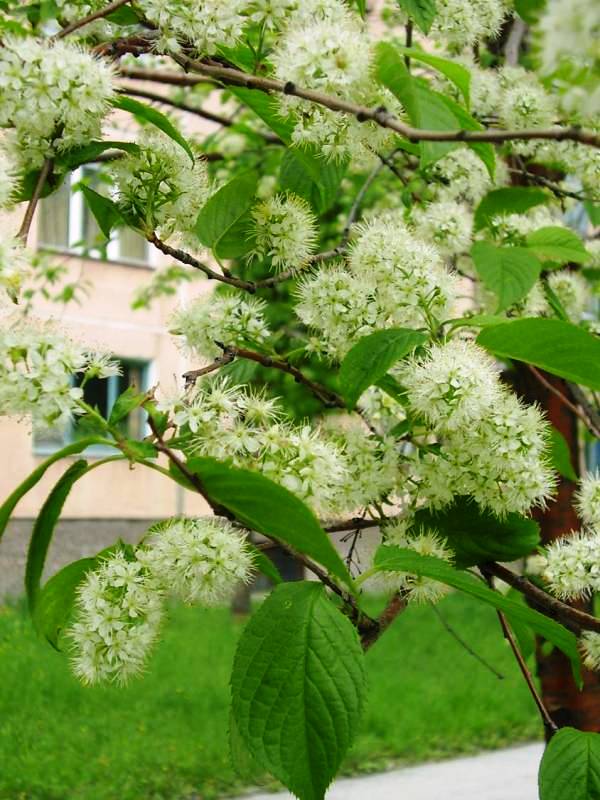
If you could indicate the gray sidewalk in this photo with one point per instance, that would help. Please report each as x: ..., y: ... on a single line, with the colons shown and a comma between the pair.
x: 498, y: 775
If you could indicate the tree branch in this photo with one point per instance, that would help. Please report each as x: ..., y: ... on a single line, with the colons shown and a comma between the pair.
x: 102, y: 12
x: 23, y: 233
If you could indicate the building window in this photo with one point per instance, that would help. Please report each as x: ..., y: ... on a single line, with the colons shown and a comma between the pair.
x: 66, y: 223
x: 101, y: 394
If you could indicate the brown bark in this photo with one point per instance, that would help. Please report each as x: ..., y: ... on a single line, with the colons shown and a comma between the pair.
x: 566, y: 704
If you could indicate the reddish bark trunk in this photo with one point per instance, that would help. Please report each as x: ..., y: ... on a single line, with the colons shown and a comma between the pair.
x: 566, y: 704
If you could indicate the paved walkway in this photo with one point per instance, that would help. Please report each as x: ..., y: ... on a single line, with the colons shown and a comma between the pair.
x: 499, y: 775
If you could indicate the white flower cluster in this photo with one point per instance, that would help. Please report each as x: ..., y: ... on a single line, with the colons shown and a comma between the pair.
x: 525, y: 103
x: 37, y: 364
x: 463, y: 176
x: 446, y: 223
x: 161, y: 188
x: 491, y: 446
x: 590, y: 649
x: 513, y: 228
x: 587, y: 499
x: 463, y: 23
x: 8, y: 181
x: 226, y: 421
x: 371, y: 465
x: 325, y: 47
x: 120, y: 605
x: 119, y: 610
x: 72, y: 10
x: 391, y: 279
x: 15, y: 267
x: 572, y: 291
x: 425, y: 542
x: 285, y: 231
x: 572, y: 567
x: 197, y: 560
x: 225, y: 318
x: 54, y: 95
x: 207, y: 24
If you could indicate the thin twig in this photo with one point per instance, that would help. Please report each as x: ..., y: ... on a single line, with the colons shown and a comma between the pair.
x: 540, y: 180
x: 591, y: 422
x: 370, y: 633
x: 102, y: 12
x: 23, y: 233
x: 591, y: 413
x: 465, y: 645
x: 192, y: 376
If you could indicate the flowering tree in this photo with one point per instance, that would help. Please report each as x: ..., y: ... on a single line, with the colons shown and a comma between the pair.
x: 471, y: 156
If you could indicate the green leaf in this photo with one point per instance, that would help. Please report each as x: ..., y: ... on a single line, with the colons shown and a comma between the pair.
x: 570, y: 766
x: 422, y: 12
x: 362, y: 7
x: 154, y: 117
x: 298, y: 686
x: 265, y: 107
x: 264, y: 506
x: 558, y: 244
x: 478, y: 536
x: 397, y: 559
x: 105, y: 210
x: 263, y: 564
x: 307, y: 174
x: 123, y: 16
x: 54, y: 604
x: 561, y: 456
x: 529, y: 10
x: 456, y: 73
x: 238, y: 240
x: 593, y: 212
x: 226, y: 208
x: 76, y: 156
x: 466, y: 122
x: 509, y: 272
x: 524, y: 634
x: 139, y: 451
x: 551, y: 344
x: 43, y: 529
x: 31, y: 480
x: 29, y: 181
x: 510, y: 200
x: 125, y: 403
x: 372, y: 356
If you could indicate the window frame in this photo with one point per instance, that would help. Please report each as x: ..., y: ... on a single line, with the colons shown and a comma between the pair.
x: 147, y: 370
x: 111, y: 253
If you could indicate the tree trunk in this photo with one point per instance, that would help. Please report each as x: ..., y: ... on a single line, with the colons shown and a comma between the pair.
x: 566, y: 704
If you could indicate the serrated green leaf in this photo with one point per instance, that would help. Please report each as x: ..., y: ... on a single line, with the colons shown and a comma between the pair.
x: 265, y: 506
x: 105, y: 210
x: 76, y: 156
x: 455, y: 72
x: 560, y: 456
x: 7, y: 508
x: 478, y: 536
x: 44, y: 526
x: 154, y: 117
x: 397, y: 559
x: 55, y: 601
x: 225, y: 209
x: 509, y: 272
x: 305, y: 173
x: 372, y: 356
x: 570, y: 766
x: 298, y: 686
x: 422, y: 12
x: 508, y: 200
x: 125, y: 403
x: 551, y: 344
x: 238, y: 240
x: 558, y: 244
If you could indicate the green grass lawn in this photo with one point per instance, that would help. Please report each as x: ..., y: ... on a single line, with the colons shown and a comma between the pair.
x: 165, y: 736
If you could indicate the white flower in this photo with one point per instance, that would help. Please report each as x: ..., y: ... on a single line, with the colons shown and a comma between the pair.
x: 453, y: 386
x: 15, y: 266
x: 285, y: 230
x: 573, y: 565
x: 118, y: 614
x: 425, y: 542
x: 393, y: 279
x: 8, y: 181
x: 226, y: 318
x: 463, y: 174
x: 161, y: 187
x: 513, y: 228
x: 525, y: 103
x: 572, y: 291
x: 197, y: 560
x: 207, y: 24
x: 590, y: 648
x: 587, y: 499
x: 54, y: 94
x: 569, y: 31
x: 449, y: 225
x: 464, y: 23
